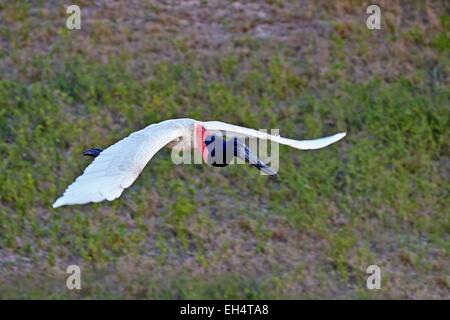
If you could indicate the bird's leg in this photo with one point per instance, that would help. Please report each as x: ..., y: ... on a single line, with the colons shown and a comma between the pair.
x: 94, y: 152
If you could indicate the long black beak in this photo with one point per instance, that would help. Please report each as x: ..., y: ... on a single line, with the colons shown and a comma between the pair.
x: 265, y: 168
x: 243, y: 152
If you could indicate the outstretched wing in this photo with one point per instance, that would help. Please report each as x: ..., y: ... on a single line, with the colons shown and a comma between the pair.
x: 118, y: 166
x: 298, y: 144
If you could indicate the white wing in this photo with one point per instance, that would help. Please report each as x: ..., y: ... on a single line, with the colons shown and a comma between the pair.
x: 118, y: 166
x: 298, y: 144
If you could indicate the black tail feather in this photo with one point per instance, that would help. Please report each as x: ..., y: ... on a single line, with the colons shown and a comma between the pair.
x: 94, y: 152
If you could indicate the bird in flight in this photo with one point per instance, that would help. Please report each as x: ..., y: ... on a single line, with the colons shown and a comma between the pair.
x: 118, y: 166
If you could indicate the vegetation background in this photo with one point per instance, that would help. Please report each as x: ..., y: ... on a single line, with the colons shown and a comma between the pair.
x: 310, y: 68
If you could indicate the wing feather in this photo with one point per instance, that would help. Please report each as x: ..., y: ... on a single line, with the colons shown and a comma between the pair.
x: 298, y: 144
x: 118, y: 166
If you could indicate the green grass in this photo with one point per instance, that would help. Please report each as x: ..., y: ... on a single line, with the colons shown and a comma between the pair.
x: 378, y: 197
x: 386, y: 170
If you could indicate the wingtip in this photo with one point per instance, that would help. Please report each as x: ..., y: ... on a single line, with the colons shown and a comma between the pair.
x: 58, y: 203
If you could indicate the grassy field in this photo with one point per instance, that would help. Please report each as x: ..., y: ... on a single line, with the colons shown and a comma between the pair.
x: 381, y: 196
